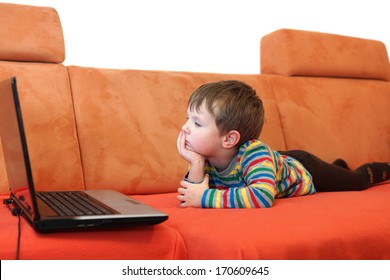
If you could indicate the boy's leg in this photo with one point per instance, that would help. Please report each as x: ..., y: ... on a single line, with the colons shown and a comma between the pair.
x: 332, y: 177
x: 340, y: 162
x: 377, y: 171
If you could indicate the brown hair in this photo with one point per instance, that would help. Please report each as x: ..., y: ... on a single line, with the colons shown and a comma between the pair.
x: 235, y: 106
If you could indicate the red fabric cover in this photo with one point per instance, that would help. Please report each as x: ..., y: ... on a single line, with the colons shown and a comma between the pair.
x: 147, y: 242
x: 337, y: 225
x: 334, y: 225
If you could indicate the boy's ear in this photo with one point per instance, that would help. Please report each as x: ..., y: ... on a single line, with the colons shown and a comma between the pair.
x: 231, y: 139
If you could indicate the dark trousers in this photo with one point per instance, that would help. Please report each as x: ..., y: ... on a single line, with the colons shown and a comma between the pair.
x: 329, y: 177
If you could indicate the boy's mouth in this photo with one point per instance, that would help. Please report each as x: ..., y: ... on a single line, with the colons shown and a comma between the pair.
x: 187, y: 144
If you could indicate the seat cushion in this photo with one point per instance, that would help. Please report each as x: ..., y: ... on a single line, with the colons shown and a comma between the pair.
x: 333, y: 225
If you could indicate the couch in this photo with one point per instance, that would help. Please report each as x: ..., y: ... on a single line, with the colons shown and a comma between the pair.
x: 95, y: 128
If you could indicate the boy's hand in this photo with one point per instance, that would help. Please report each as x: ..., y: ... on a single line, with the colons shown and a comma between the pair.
x: 190, y: 156
x: 190, y: 195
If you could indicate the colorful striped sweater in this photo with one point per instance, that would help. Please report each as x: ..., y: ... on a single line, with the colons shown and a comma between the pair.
x: 255, y: 177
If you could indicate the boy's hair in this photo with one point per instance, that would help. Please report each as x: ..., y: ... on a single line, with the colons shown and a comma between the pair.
x: 235, y: 106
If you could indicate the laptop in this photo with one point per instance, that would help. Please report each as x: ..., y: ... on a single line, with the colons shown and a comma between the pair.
x: 62, y: 210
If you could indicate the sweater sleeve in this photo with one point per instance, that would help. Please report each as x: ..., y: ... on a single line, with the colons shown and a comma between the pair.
x: 253, y: 184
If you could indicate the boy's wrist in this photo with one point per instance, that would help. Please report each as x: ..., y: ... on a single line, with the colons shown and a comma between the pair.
x: 198, y: 163
x: 193, y: 182
x: 196, y: 172
x: 194, y: 177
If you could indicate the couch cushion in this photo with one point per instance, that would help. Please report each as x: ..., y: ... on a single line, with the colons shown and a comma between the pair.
x: 49, y: 123
x: 128, y: 122
x: 34, y: 34
x: 333, y: 225
x: 303, y: 53
x: 30, y: 33
x: 335, y: 118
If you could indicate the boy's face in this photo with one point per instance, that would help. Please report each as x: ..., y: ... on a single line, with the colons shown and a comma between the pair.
x: 201, y: 133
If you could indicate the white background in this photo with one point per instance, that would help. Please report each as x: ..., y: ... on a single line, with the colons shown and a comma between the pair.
x: 200, y: 35
x: 279, y: 270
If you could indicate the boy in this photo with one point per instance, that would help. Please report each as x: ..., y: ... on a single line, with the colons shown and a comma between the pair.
x: 231, y: 168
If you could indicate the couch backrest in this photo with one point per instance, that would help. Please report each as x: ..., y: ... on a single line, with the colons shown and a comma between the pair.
x: 333, y: 93
x: 32, y: 49
x: 129, y: 120
x: 102, y: 128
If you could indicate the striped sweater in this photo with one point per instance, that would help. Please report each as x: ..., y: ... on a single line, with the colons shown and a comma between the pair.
x: 255, y: 177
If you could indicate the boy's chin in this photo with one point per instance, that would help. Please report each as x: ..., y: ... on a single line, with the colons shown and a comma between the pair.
x: 188, y: 147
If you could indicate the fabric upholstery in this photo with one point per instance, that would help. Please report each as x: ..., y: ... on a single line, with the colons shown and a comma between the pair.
x: 34, y: 35
x: 30, y: 33
x: 334, y: 118
x: 292, y: 52
x: 49, y: 122
x: 136, y: 117
x: 324, y: 226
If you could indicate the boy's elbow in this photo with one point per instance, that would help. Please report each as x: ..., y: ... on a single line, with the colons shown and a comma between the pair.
x: 268, y: 203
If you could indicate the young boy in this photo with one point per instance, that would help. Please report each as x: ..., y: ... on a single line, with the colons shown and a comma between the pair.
x: 230, y: 168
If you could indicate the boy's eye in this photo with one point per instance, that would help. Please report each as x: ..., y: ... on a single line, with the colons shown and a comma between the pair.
x: 197, y: 124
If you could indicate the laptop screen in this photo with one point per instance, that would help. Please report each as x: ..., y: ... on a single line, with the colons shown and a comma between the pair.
x: 14, y: 143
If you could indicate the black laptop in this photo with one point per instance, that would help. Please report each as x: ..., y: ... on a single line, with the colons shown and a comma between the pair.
x: 61, y: 210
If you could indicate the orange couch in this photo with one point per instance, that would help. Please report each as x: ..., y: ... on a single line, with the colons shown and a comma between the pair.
x: 91, y: 128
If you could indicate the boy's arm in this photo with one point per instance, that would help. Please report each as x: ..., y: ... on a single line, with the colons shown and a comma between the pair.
x: 196, y: 161
x: 256, y: 190
x: 195, y: 182
x: 257, y: 195
x: 196, y: 172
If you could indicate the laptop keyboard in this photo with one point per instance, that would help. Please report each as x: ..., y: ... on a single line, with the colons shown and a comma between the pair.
x: 73, y: 203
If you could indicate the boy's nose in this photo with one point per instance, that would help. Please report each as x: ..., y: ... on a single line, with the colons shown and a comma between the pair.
x: 185, y: 129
